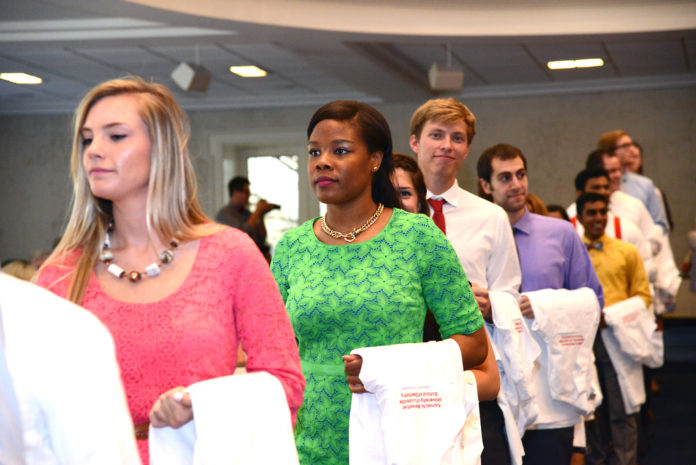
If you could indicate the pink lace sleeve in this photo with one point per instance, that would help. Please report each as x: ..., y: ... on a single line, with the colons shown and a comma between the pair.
x: 264, y: 327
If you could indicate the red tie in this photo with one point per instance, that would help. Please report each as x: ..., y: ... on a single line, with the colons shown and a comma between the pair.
x: 438, y: 216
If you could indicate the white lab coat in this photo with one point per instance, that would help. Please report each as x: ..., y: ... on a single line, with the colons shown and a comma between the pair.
x: 63, y: 366
x: 421, y: 408
x: 565, y: 325
x: 237, y: 419
x: 516, y: 352
x: 634, y: 327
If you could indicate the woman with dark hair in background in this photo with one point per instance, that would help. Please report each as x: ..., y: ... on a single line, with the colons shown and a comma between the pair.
x: 409, y: 184
x: 557, y: 211
x: 362, y: 275
x: 409, y: 179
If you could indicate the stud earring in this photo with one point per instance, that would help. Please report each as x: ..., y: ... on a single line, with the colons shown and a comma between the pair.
x: 375, y: 168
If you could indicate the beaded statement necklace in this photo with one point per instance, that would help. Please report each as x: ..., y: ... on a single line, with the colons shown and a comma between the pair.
x: 107, y: 257
x: 350, y: 236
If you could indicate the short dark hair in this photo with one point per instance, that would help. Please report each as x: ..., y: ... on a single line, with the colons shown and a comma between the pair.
x: 588, y: 197
x: 596, y: 159
x: 585, y: 175
x: 553, y: 207
x: 484, y: 166
x: 237, y: 183
x: 376, y: 134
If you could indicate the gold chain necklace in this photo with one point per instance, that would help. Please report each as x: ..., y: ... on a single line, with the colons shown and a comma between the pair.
x: 350, y: 236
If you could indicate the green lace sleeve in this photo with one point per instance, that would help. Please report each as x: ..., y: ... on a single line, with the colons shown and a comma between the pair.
x: 445, y: 286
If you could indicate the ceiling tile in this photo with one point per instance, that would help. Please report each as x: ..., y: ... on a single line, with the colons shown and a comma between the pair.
x: 647, y: 57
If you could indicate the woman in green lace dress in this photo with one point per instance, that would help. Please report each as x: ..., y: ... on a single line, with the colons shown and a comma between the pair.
x: 363, y: 275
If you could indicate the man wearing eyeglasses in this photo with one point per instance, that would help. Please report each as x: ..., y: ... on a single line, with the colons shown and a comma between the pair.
x: 620, y: 143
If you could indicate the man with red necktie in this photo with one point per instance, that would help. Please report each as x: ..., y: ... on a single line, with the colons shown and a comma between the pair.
x: 440, y: 135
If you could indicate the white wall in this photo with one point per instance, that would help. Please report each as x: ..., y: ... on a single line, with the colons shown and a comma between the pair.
x: 555, y: 132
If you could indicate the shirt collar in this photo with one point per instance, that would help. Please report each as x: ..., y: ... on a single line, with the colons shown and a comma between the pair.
x: 586, y: 241
x: 524, y: 224
x: 450, y: 196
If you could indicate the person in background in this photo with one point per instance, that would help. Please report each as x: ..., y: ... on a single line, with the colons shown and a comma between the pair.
x: 690, y: 261
x: 409, y: 184
x: 177, y: 291
x: 441, y: 132
x: 619, y: 143
x: 552, y: 256
x: 667, y: 279
x: 613, y: 436
x: 597, y: 181
x: 237, y: 215
x: 536, y: 205
x: 633, y: 162
x: 19, y: 268
x: 557, y: 211
x: 362, y: 275
x: 620, y: 203
x: 408, y: 179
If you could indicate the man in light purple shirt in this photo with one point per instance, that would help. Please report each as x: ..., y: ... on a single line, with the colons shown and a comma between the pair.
x: 552, y: 256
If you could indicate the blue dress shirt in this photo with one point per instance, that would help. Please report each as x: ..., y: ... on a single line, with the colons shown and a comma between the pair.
x: 644, y: 190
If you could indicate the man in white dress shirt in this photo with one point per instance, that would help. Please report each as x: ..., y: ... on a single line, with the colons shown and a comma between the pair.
x: 597, y: 180
x: 667, y: 280
x: 440, y: 135
x: 622, y: 204
x: 62, y: 368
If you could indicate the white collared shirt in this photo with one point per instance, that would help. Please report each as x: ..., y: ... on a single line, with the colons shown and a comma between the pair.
x: 481, y: 234
x: 626, y: 206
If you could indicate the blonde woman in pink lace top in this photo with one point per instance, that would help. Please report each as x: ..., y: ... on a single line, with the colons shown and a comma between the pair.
x: 196, y: 290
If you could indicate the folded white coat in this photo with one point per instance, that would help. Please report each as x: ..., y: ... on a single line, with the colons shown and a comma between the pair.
x: 628, y: 372
x: 421, y: 408
x: 518, y: 352
x: 565, y: 324
x: 238, y: 419
x: 634, y: 327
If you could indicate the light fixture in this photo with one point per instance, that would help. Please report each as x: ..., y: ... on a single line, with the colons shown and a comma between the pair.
x: 570, y: 64
x: 445, y: 77
x: 249, y: 71
x: 190, y: 77
x: 21, y: 78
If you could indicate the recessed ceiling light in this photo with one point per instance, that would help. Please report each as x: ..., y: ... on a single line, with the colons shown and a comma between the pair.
x: 589, y: 63
x: 248, y: 71
x: 570, y: 64
x: 21, y: 78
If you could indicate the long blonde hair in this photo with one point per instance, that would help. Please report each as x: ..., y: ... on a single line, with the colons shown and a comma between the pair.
x: 172, y: 208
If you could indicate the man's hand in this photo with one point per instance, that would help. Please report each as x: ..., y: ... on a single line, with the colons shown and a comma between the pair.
x: 264, y: 207
x: 483, y: 300
x: 526, y: 307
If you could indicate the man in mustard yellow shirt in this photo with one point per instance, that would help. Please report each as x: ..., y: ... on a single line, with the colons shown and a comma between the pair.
x: 612, y: 438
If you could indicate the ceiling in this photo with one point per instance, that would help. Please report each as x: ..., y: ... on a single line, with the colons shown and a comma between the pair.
x: 320, y: 50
